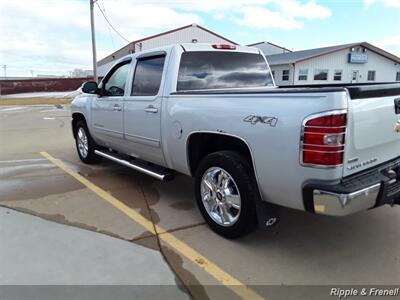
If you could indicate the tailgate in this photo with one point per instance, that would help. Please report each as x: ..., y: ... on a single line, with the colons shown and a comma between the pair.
x: 373, y: 134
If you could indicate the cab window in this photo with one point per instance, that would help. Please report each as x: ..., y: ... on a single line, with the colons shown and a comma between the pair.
x: 115, y: 85
x: 148, y: 74
x: 201, y: 70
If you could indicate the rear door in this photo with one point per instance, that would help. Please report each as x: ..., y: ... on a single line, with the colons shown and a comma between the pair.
x: 142, y: 108
x: 373, y: 133
x: 107, y: 109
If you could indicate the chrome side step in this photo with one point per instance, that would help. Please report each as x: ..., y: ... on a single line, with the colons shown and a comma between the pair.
x: 159, y: 173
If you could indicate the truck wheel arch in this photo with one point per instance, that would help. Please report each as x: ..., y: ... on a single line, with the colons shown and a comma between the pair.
x: 76, y: 117
x: 200, y: 144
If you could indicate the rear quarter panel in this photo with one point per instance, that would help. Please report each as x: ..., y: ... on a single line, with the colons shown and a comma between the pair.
x: 275, y: 150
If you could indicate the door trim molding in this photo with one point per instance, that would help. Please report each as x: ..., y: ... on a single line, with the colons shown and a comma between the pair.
x: 143, y: 140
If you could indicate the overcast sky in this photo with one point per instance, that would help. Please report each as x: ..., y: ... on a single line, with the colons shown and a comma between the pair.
x: 53, y: 36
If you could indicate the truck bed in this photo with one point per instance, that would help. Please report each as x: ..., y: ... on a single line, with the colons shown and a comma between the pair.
x: 359, y: 90
x: 356, y: 91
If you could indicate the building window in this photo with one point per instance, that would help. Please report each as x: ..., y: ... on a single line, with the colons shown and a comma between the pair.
x: 337, y: 76
x: 321, y: 74
x: 285, y: 75
x: 371, y: 76
x: 398, y: 76
x: 303, y: 74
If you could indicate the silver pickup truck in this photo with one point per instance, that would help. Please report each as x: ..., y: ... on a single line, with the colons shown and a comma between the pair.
x: 214, y: 112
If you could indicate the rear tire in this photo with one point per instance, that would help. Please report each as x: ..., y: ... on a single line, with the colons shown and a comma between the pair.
x: 226, y: 193
x: 85, y: 145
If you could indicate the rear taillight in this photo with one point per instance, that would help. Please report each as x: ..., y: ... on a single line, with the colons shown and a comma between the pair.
x: 223, y: 47
x: 323, y: 139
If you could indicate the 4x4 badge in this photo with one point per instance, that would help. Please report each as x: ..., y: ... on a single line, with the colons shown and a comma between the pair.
x: 253, y: 120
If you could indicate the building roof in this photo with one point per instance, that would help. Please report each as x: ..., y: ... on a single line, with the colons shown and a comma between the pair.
x: 298, y: 56
x: 272, y: 44
x: 131, y: 45
x: 181, y: 28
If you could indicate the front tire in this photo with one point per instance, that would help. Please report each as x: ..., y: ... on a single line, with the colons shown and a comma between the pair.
x: 226, y: 193
x: 85, y: 145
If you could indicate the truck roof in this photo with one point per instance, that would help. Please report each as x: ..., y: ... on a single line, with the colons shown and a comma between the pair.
x: 195, y: 47
x: 209, y: 47
x: 192, y: 47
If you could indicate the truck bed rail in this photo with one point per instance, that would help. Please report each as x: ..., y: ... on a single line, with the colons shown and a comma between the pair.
x: 356, y: 91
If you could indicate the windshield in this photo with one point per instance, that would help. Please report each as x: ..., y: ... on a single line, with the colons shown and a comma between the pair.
x: 217, y: 70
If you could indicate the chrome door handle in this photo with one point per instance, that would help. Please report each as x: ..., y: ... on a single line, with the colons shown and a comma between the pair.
x: 116, y: 107
x: 151, y: 109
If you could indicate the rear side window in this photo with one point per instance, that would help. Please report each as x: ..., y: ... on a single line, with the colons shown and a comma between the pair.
x: 147, y: 78
x: 217, y: 70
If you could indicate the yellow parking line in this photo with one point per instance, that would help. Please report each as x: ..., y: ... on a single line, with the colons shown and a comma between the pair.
x: 195, y: 257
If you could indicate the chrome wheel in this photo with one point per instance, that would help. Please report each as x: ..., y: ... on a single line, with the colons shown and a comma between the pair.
x: 82, y: 141
x: 221, y: 197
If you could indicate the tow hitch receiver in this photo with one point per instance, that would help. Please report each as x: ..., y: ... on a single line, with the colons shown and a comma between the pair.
x: 393, y: 186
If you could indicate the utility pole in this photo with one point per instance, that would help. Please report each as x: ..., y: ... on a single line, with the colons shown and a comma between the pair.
x: 5, y: 70
x: 93, y: 40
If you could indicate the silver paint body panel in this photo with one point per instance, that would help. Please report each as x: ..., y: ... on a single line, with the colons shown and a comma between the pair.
x: 162, y: 137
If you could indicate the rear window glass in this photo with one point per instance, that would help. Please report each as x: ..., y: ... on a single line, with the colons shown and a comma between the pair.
x: 218, y: 70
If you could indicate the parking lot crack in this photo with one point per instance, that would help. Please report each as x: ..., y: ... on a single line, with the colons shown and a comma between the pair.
x: 161, y: 249
x: 183, y: 228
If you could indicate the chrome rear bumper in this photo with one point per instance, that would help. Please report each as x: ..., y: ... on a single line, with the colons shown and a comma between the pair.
x: 371, y: 188
x: 338, y: 204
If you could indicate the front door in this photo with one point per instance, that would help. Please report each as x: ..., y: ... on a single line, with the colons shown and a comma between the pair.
x: 354, y: 76
x: 142, y: 110
x: 107, y: 109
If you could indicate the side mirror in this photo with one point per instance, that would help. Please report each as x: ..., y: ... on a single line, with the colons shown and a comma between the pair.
x: 90, y: 87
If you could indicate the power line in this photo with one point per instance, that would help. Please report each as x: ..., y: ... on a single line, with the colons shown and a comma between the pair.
x: 116, y: 31
x: 109, y: 31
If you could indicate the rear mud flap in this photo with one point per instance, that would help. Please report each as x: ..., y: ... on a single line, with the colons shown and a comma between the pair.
x: 267, y: 214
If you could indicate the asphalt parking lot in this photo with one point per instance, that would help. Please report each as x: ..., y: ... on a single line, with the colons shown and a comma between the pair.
x: 303, y: 249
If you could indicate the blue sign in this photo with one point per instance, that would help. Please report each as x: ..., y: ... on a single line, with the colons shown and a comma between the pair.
x: 358, y: 58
